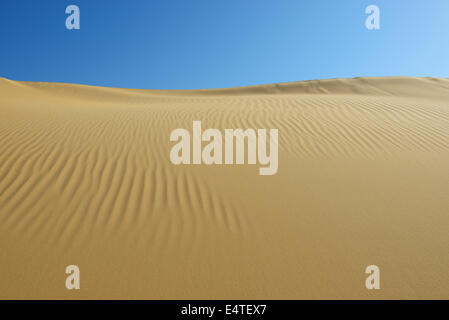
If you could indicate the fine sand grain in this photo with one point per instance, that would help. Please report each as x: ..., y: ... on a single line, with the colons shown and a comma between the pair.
x: 363, y: 178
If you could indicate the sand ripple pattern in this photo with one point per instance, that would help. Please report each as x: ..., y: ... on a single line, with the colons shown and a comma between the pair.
x: 75, y: 160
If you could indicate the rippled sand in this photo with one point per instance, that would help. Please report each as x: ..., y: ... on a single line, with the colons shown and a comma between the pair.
x: 86, y: 179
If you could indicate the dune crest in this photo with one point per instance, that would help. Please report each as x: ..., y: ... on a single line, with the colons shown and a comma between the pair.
x: 86, y: 179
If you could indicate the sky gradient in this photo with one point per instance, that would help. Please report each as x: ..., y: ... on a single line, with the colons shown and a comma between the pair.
x: 214, y: 44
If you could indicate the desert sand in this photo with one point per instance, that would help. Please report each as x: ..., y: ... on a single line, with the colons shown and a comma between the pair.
x: 363, y: 178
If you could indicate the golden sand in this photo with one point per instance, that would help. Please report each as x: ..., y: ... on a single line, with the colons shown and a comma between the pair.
x: 363, y: 178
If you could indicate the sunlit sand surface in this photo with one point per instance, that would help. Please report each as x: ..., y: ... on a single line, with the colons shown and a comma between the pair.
x: 363, y: 178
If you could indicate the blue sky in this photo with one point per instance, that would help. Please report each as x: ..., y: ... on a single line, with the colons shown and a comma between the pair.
x: 192, y: 44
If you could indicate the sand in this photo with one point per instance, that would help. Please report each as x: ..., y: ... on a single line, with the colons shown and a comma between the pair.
x: 363, y: 178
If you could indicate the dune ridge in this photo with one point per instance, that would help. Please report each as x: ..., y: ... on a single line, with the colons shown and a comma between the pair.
x: 85, y: 178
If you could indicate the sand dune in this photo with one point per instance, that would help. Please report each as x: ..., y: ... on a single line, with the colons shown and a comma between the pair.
x: 363, y: 178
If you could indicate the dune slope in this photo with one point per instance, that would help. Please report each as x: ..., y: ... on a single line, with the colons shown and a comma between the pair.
x: 85, y: 179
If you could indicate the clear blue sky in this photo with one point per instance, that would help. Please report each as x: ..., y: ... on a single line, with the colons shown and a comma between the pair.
x: 189, y: 44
